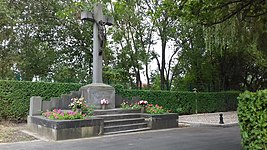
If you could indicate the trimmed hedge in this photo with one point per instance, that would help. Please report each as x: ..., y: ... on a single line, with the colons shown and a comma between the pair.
x: 15, y: 96
x: 185, y: 102
x: 252, y: 115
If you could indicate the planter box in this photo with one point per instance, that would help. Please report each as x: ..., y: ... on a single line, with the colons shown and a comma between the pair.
x: 66, y: 129
x: 162, y: 121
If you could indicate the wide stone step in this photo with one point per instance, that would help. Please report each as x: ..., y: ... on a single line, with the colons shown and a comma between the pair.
x: 123, y: 121
x: 124, y: 127
x: 115, y: 111
x: 119, y: 116
x: 127, y: 131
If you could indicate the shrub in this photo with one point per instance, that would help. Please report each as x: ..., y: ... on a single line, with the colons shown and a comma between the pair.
x: 252, y: 115
x: 185, y: 102
x: 15, y: 96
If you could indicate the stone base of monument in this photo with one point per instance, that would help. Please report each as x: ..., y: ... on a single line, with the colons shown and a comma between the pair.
x: 65, y: 129
x: 104, y: 122
x: 109, y: 121
x: 161, y: 121
x: 95, y: 92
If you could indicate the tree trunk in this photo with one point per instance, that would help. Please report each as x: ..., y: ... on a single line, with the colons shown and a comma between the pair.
x: 147, y: 75
x: 162, y: 77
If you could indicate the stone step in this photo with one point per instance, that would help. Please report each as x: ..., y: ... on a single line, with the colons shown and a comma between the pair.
x: 119, y: 116
x: 124, y: 127
x: 123, y: 121
x: 127, y: 131
x: 115, y: 111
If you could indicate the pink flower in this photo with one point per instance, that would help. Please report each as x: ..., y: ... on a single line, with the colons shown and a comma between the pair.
x: 59, y: 111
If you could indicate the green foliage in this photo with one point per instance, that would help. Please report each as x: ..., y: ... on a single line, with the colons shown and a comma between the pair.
x: 15, y: 96
x: 252, y: 115
x: 185, y: 102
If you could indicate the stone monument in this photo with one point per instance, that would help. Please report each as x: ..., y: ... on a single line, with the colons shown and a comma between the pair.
x: 96, y: 91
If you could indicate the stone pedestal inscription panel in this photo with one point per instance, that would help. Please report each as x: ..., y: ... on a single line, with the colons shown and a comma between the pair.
x: 93, y: 93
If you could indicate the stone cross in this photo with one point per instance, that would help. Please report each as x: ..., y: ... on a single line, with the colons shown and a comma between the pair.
x: 99, y: 21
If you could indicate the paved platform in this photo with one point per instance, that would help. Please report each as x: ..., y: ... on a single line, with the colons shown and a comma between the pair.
x: 201, y: 138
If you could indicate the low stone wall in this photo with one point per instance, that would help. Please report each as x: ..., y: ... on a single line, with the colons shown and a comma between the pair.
x: 161, y: 121
x: 66, y: 129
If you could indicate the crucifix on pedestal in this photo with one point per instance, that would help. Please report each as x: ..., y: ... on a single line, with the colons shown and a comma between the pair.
x: 99, y: 36
x: 95, y: 92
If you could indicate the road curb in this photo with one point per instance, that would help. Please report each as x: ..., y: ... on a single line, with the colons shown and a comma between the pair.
x: 197, y: 124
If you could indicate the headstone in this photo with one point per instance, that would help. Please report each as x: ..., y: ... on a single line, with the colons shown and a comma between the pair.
x: 35, y: 106
x: 66, y: 100
x: 96, y: 91
x: 46, y: 105
x: 55, y: 102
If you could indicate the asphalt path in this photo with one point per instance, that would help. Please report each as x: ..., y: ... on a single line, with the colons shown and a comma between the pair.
x: 199, y: 138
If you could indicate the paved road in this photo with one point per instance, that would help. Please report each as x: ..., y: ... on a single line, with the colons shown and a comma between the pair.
x: 173, y: 139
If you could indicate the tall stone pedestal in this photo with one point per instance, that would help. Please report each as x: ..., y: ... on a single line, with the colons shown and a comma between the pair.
x: 93, y: 93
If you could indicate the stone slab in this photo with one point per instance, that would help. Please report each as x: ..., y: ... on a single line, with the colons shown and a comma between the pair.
x: 35, y: 105
x: 55, y: 102
x: 46, y: 105
x: 162, y: 121
x: 66, y: 100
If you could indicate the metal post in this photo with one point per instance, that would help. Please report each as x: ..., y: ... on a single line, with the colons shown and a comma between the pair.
x: 221, y: 119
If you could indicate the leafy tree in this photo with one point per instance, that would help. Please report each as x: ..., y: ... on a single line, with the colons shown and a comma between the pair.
x: 133, y: 38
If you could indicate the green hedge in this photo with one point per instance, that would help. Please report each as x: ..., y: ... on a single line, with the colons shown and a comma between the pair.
x: 185, y: 102
x: 15, y: 96
x: 252, y: 115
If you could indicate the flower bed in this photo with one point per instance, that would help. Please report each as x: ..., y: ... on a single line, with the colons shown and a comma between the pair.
x: 149, y: 108
x: 156, y: 116
x: 63, y: 115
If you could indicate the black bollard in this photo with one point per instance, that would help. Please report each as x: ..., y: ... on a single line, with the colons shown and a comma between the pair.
x: 221, y: 119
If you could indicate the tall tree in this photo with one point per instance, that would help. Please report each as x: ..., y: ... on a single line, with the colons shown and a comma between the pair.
x: 167, y: 27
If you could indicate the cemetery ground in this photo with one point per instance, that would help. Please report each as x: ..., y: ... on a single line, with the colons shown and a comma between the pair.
x: 13, y: 132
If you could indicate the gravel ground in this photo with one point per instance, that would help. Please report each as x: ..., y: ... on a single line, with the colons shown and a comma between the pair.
x: 12, y: 132
x: 210, y: 118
